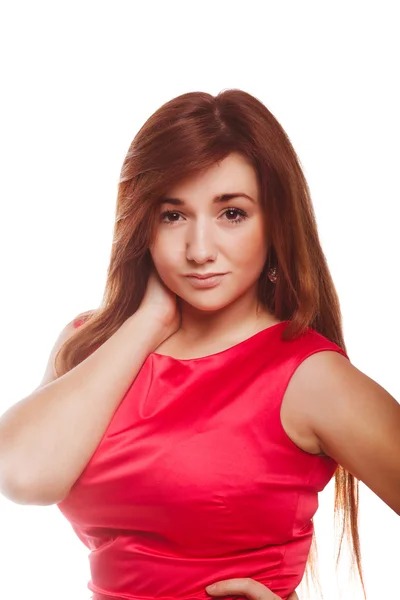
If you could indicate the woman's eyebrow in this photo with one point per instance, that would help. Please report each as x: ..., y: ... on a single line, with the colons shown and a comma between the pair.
x: 216, y: 199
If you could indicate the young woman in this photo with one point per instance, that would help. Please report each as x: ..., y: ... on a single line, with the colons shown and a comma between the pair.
x: 186, y: 426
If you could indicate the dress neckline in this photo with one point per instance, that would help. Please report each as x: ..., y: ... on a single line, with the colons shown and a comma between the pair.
x: 270, y: 328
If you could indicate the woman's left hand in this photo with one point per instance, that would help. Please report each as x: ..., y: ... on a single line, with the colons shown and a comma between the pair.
x: 245, y: 586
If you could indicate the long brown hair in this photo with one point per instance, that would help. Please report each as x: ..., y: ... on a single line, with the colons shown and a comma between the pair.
x: 184, y: 136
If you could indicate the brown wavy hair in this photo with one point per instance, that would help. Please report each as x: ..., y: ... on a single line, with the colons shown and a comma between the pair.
x: 184, y: 136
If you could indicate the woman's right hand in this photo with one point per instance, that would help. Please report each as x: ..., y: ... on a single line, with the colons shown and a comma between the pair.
x: 161, y: 305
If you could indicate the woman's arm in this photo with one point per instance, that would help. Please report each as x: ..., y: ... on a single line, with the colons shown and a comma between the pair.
x: 356, y: 421
x: 47, y: 438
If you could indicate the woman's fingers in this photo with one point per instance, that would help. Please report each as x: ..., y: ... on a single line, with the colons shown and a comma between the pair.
x: 254, y: 590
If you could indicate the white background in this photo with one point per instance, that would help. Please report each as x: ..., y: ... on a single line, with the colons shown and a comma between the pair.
x: 78, y: 80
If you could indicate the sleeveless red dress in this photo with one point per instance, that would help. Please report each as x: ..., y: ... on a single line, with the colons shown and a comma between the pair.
x: 195, y: 480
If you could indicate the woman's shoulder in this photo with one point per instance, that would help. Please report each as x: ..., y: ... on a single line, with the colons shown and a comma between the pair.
x: 82, y: 318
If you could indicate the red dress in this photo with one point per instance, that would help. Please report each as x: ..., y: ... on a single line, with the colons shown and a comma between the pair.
x: 195, y: 480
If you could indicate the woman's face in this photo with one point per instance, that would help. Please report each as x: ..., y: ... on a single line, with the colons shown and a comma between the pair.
x: 197, y: 234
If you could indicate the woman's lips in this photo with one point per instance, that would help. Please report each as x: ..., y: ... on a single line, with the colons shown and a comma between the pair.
x: 205, y: 283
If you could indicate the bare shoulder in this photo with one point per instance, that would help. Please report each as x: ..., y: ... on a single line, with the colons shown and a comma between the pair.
x: 63, y: 336
x: 322, y: 382
x: 306, y: 387
x: 355, y: 420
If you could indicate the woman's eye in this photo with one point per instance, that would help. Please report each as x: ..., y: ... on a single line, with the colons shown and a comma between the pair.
x: 236, y: 211
x: 168, y: 213
x: 242, y: 214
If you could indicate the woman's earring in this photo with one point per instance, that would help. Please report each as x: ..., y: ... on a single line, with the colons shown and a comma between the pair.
x: 272, y: 276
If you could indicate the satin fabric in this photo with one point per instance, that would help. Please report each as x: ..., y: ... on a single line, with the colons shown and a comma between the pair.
x: 195, y: 480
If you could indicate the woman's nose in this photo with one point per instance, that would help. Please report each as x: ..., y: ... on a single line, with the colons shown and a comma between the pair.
x: 200, y: 243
